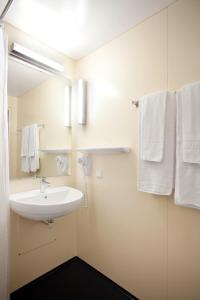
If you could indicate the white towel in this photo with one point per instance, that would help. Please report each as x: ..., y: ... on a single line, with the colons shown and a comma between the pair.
x: 153, y: 115
x: 158, y: 177
x: 190, y: 98
x: 24, y: 150
x: 187, y: 183
x: 24, y: 141
x: 34, y: 147
x: 30, y: 149
x: 62, y: 163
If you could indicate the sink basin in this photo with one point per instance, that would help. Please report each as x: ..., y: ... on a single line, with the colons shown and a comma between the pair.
x: 54, y: 203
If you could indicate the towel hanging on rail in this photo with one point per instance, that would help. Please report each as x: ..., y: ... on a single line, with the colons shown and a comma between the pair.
x: 157, y: 176
x: 30, y: 149
x: 187, y: 184
x: 153, y: 126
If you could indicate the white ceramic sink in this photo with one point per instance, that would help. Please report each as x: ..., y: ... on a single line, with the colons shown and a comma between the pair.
x: 54, y: 203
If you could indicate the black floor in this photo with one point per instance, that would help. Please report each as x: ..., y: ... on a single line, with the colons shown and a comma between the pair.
x: 74, y: 280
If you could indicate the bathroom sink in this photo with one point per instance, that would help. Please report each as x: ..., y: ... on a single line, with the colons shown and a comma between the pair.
x: 54, y: 203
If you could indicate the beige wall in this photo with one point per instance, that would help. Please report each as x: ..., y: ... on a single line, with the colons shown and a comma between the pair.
x: 184, y: 224
x: 35, y: 248
x: 143, y: 242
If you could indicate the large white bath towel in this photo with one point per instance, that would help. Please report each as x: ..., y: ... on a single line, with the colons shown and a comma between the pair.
x: 187, y: 183
x: 25, y: 166
x: 153, y: 176
x: 34, y: 147
x: 190, y: 98
x: 153, y: 123
x: 30, y: 149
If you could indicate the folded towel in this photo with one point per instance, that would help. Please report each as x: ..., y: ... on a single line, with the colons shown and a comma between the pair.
x: 30, y: 149
x: 187, y: 183
x: 190, y: 98
x: 153, y: 117
x: 158, y: 177
x: 33, y: 137
x: 34, y: 147
x: 24, y: 150
x: 62, y: 163
x: 24, y: 141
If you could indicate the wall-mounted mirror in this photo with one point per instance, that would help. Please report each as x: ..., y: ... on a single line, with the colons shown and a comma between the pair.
x: 36, y: 98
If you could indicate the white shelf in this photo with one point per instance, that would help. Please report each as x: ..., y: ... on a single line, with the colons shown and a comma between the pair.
x: 56, y: 150
x: 104, y: 150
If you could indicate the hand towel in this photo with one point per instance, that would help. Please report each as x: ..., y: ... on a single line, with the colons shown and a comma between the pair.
x: 24, y: 141
x: 24, y: 150
x: 187, y: 182
x: 62, y: 163
x: 34, y: 147
x: 153, y: 115
x: 190, y: 98
x: 158, y: 177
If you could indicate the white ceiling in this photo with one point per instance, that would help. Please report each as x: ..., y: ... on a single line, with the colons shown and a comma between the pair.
x: 22, y: 78
x: 77, y: 27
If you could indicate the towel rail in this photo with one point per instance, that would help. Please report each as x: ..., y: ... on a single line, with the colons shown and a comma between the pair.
x: 136, y: 103
x: 39, y: 126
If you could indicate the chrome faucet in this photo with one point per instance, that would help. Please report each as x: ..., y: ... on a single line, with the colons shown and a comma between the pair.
x: 43, y: 184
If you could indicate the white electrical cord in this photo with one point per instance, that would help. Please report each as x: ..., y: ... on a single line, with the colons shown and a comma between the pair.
x: 85, y: 191
x: 86, y: 164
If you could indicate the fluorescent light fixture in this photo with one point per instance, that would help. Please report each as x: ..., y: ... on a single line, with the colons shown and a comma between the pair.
x: 82, y: 101
x: 67, y: 107
x: 37, y: 60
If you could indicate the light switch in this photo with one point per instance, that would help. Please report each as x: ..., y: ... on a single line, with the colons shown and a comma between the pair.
x: 99, y: 173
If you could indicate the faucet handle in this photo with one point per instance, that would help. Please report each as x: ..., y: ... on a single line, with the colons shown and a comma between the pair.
x: 44, y: 179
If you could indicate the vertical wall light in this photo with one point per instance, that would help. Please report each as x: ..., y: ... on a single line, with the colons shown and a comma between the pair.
x: 67, y: 106
x: 82, y: 101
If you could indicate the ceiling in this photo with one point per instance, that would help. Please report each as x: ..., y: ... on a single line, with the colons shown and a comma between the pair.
x: 77, y: 27
x: 22, y: 78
